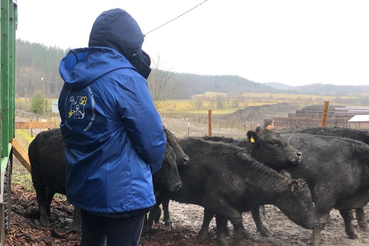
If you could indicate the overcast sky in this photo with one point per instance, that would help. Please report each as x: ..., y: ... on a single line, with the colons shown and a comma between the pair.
x: 286, y: 41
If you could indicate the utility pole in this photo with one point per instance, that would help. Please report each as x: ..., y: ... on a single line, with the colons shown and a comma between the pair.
x: 43, y: 98
x: 25, y: 99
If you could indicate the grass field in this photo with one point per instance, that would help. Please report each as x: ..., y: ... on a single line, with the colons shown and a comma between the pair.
x: 186, y: 106
x: 201, y: 103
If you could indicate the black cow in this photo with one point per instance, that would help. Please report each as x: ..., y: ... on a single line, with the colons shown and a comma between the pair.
x: 355, y: 134
x: 48, y: 169
x: 252, y: 148
x: 261, y: 145
x: 337, y: 172
x: 224, y: 179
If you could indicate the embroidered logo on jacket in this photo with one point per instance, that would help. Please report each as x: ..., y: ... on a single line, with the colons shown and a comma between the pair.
x: 76, y: 105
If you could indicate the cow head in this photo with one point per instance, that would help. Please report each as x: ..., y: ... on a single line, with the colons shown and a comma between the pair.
x: 181, y: 158
x: 269, y: 148
x: 297, y: 204
x: 167, y: 177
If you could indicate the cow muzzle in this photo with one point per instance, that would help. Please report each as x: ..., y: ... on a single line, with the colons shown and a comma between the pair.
x: 298, y: 156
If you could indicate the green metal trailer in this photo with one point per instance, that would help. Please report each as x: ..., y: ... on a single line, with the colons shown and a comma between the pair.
x: 7, y: 108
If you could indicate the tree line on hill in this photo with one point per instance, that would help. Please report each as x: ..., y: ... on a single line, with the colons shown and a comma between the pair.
x: 37, y: 64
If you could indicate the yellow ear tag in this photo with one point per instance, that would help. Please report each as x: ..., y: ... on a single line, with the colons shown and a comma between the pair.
x: 252, y: 140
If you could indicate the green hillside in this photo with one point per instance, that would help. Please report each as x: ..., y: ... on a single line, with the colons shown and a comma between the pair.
x: 35, y: 61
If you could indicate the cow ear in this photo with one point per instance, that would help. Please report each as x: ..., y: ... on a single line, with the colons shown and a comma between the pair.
x: 258, y: 129
x: 293, y: 186
x: 251, y: 136
x: 286, y: 174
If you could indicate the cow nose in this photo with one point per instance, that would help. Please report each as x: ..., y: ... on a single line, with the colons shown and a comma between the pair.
x: 179, y: 186
x: 185, y: 160
x: 298, y: 154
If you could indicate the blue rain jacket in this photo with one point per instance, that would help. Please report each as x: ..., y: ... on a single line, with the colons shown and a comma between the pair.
x: 113, y: 134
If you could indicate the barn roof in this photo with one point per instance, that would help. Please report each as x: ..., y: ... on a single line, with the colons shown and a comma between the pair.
x: 360, y: 118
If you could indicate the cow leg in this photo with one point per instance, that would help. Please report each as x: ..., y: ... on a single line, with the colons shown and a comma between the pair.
x: 150, y: 219
x: 221, y: 229
x: 315, y: 236
x: 77, y: 220
x: 259, y: 223
x: 323, y: 205
x: 345, y: 213
x: 42, y: 204
x: 239, y: 230
x: 160, y: 197
x: 157, y: 215
x: 328, y: 219
x: 165, y: 204
x: 361, y: 219
x: 49, y: 197
x: 263, y: 211
x: 41, y: 198
x: 223, y: 208
x: 204, y: 231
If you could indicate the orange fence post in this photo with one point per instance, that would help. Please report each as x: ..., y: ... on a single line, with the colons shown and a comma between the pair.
x: 209, y: 121
x: 323, y: 122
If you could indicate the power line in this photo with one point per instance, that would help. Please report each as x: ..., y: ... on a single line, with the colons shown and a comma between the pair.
x: 175, y: 17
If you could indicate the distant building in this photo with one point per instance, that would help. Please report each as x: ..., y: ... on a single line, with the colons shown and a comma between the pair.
x: 54, y: 106
x: 359, y: 122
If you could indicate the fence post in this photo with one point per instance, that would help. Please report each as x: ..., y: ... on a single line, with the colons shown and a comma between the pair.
x: 323, y: 121
x: 209, y: 122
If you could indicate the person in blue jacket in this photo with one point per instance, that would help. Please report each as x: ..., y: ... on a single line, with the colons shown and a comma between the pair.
x: 113, y: 134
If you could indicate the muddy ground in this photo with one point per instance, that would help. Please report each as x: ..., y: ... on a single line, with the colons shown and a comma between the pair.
x: 187, y: 219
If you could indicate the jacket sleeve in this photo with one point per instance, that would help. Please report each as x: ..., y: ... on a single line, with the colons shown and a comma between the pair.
x: 142, y: 121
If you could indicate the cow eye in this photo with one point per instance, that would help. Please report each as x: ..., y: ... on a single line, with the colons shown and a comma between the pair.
x: 165, y: 164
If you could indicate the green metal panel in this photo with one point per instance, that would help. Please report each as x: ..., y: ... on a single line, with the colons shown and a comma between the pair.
x: 4, y: 162
x: 12, y: 39
x: 7, y: 107
x: 1, y: 52
x: 4, y: 75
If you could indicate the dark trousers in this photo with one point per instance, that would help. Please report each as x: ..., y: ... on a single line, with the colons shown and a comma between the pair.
x: 119, y: 229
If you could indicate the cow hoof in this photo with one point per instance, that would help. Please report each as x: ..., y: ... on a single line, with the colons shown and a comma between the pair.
x: 202, y: 236
x: 264, y: 232
x: 45, y: 223
x: 248, y: 236
x: 223, y: 242
x: 168, y: 223
x: 353, y: 236
x: 363, y: 226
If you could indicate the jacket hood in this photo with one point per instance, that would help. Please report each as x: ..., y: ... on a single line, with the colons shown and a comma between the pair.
x: 117, y: 29
x: 81, y: 67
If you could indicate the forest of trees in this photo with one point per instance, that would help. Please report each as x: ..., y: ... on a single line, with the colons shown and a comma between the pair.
x: 35, y: 61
